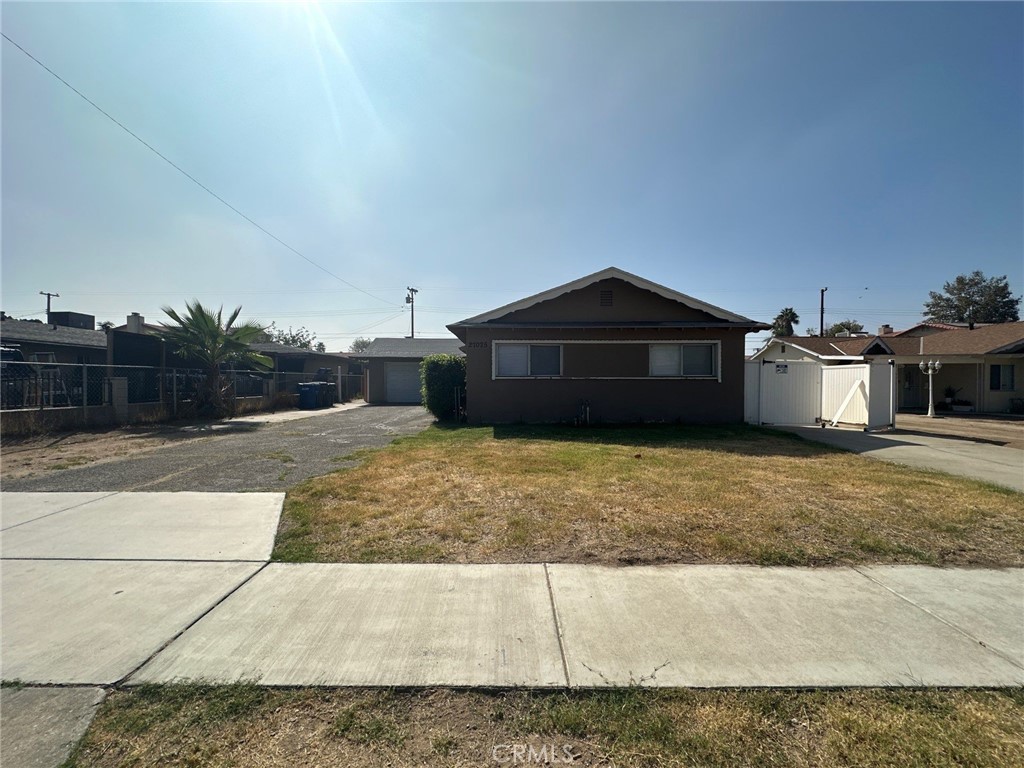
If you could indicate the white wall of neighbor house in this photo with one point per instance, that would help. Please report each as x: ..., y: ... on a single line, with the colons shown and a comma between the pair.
x: 998, y: 400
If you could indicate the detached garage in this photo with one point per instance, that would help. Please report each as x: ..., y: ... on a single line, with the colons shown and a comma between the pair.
x: 392, y: 372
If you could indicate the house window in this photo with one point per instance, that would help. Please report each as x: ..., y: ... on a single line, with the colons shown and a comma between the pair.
x: 1000, y: 378
x: 517, y: 360
x: 698, y: 359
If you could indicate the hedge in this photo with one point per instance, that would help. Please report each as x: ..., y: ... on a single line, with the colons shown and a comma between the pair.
x: 440, y: 376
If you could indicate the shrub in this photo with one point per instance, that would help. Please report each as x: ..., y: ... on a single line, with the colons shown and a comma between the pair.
x: 440, y: 376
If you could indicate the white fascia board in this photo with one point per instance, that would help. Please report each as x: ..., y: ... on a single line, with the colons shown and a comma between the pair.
x: 606, y: 274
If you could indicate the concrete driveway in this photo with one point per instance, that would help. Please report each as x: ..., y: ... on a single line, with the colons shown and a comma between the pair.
x: 996, y: 464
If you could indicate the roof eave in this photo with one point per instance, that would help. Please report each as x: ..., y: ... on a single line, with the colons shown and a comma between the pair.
x: 605, y: 274
x: 640, y: 324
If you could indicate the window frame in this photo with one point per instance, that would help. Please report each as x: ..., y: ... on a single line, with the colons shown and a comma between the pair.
x: 993, y: 367
x: 529, y: 359
x: 716, y: 360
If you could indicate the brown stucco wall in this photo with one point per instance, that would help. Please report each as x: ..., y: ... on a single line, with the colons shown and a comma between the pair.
x: 374, y: 382
x: 496, y: 401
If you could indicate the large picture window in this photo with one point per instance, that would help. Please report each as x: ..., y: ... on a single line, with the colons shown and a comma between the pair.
x: 697, y: 359
x: 519, y: 360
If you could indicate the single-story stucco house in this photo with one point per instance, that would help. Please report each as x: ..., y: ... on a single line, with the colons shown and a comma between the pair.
x: 56, y: 341
x: 391, y: 373
x: 609, y: 347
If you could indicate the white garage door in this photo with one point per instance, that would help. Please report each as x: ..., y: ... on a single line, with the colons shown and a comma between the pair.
x: 403, y: 382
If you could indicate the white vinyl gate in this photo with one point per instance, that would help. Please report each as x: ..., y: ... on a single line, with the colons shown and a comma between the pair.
x: 802, y: 393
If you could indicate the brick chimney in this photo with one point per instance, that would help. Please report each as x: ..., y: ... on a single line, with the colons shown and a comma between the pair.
x: 884, y: 329
x: 135, y: 323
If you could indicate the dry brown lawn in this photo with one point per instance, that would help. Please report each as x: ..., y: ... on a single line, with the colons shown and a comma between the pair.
x: 241, y: 725
x: 654, y: 494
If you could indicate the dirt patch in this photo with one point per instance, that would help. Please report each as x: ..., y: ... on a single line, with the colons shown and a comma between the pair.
x: 41, y: 454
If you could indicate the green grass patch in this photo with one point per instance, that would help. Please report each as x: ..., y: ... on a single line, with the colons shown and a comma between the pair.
x: 279, y: 456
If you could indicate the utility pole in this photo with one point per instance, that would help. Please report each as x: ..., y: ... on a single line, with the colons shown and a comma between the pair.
x: 410, y: 299
x: 48, y: 297
x: 821, y: 319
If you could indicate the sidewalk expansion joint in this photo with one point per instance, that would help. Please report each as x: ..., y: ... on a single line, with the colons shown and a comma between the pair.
x: 947, y: 622
x: 187, y: 627
x: 59, y: 511
x: 558, y: 626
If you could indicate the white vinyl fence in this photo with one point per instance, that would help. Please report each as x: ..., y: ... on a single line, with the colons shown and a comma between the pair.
x: 797, y: 393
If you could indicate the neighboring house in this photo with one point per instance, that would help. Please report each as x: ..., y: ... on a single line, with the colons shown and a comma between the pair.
x: 392, y: 369
x: 609, y: 347
x: 984, y: 364
x: 298, y: 360
x: 57, y: 342
x: 138, y: 343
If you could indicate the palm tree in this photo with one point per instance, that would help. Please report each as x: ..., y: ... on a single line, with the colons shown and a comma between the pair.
x: 783, y: 323
x: 204, y: 336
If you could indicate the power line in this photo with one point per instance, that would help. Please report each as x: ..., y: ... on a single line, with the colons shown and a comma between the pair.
x: 187, y: 175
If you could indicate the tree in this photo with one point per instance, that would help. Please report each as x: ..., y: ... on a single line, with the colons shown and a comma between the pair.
x: 360, y: 344
x: 303, y: 338
x: 783, y: 323
x: 203, y: 335
x: 844, y: 325
x: 973, y: 298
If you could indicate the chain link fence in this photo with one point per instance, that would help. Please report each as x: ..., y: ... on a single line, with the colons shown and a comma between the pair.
x: 41, y: 386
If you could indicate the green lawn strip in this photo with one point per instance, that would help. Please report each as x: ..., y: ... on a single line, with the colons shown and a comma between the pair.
x: 194, y: 724
x: 649, y: 494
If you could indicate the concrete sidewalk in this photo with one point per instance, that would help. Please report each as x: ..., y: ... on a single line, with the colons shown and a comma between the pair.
x: 979, y: 461
x: 591, y: 626
x: 102, y: 589
x: 93, y: 584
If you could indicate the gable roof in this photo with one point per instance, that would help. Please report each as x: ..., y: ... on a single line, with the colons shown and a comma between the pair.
x: 609, y: 274
x: 826, y: 347
x: 1000, y: 338
x: 934, y: 324
x: 982, y: 340
x: 45, y: 333
x: 411, y: 348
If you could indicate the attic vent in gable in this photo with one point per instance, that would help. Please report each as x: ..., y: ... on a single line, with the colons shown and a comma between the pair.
x: 606, y: 298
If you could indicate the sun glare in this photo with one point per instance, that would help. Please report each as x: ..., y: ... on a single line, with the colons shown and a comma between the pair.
x: 337, y: 72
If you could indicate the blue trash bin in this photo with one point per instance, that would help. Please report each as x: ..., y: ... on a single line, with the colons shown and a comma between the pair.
x: 308, y: 394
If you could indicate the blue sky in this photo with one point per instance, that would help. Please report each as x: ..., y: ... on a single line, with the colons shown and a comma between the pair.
x: 746, y: 154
